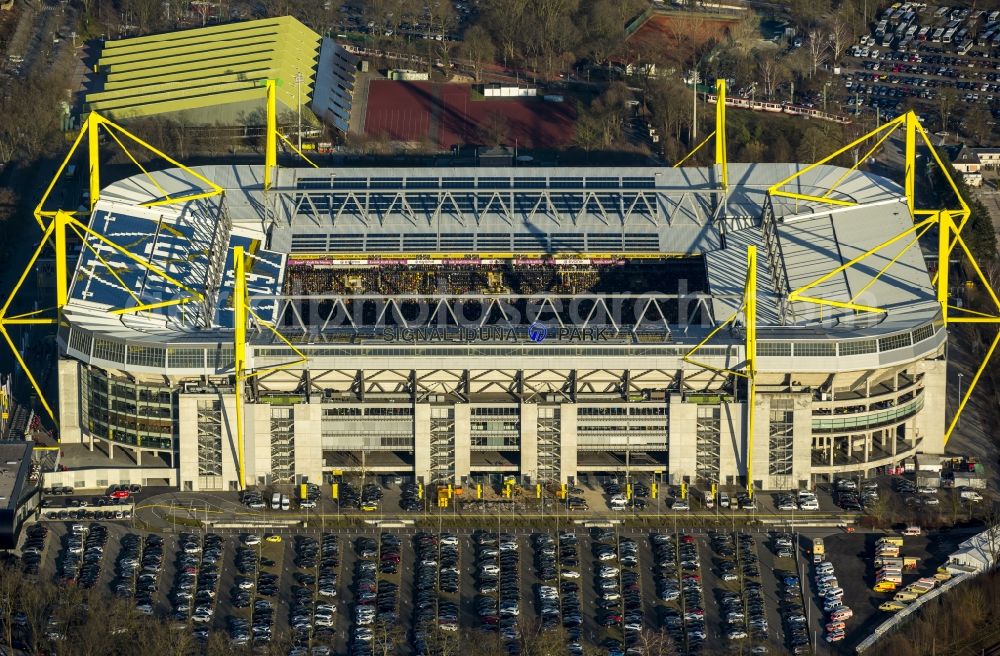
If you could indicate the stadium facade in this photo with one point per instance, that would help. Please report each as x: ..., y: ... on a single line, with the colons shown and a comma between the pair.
x: 536, y: 322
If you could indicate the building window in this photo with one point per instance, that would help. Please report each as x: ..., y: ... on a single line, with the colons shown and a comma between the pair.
x: 813, y: 349
x: 81, y: 341
x: 894, y: 342
x: 112, y: 351
x: 774, y: 349
x: 146, y: 356
x: 922, y: 333
x: 858, y: 348
x: 186, y: 358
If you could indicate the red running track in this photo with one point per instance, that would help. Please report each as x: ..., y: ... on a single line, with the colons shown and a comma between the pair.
x: 417, y: 111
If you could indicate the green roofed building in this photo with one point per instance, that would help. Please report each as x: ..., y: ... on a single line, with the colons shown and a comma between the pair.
x: 207, y: 75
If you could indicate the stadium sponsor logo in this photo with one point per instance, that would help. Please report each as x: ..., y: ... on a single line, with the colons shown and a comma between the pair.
x: 536, y: 333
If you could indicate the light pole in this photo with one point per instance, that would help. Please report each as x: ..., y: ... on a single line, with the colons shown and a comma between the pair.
x: 298, y: 94
x: 694, y: 106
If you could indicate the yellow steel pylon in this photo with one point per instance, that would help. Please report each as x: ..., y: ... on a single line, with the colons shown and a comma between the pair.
x: 56, y: 223
x: 719, y: 133
x: 272, y: 136
x: 948, y: 221
x: 242, y: 313
x: 748, y: 307
x: 92, y: 130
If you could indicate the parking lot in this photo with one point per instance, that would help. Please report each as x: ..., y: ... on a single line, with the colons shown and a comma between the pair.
x: 353, y: 592
x: 909, y: 55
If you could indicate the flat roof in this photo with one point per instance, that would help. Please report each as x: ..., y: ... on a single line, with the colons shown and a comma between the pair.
x: 15, y: 465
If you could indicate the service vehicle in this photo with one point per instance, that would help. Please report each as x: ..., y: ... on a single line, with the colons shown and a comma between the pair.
x: 818, y: 550
x: 891, y: 606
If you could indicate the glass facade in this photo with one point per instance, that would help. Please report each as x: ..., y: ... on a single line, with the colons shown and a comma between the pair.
x: 839, y: 423
x: 140, y: 415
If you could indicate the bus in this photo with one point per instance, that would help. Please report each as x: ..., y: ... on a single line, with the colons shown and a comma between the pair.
x: 948, y: 35
x: 936, y: 37
x: 965, y: 48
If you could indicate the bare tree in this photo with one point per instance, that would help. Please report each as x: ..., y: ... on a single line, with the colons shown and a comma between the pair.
x: 387, y: 639
x: 657, y: 643
x: 840, y: 36
x: 947, y: 99
x: 818, y: 47
x: 477, y: 47
x: 772, y: 72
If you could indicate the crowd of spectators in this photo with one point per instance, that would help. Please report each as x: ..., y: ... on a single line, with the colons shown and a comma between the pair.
x: 637, y: 277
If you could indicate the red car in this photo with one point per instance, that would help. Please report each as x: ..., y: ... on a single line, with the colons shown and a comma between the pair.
x: 119, y: 494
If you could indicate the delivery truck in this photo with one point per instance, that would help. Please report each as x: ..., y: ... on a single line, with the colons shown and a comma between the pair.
x: 884, y: 586
x: 818, y: 550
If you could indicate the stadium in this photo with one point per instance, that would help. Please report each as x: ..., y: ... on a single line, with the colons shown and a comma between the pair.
x: 458, y: 324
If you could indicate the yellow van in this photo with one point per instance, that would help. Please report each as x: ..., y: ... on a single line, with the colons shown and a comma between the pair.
x: 891, y: 606
x: 905, y: 596
x: 885, y: 586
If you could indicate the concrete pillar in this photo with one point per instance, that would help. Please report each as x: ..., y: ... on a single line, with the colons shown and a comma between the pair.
x: 761, y: 447
x: 529, y: 440
x: 258, y: 443
x: 930, y: 421
x: 187, y: 450
x: 422, y: 441
x: 833, y: 446
x: 138, y: 457
x: 732, y: 442
x: 868, y: 447
x: 567, y: 442
x: 308, y: 442
x: 682, y: 444
x: 111, y: 450
x: 68, y: 411
x: 463, y: 441
x: 230, y: 442
x: 802, y: 439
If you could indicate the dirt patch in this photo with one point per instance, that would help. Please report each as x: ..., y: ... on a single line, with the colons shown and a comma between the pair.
x: 682, y: 31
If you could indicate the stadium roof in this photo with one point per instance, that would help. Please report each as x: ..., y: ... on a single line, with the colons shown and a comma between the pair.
x: 195, y: 70
x: 812, y: 238
x: 191, y: 248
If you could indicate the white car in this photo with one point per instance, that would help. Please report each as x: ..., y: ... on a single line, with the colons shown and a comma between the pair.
x: 251, y: 540
x: 490, y: 569
x: 607, y: 572
x: 926, y: 489
x: 569, y: 574
x: 809, y: 505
